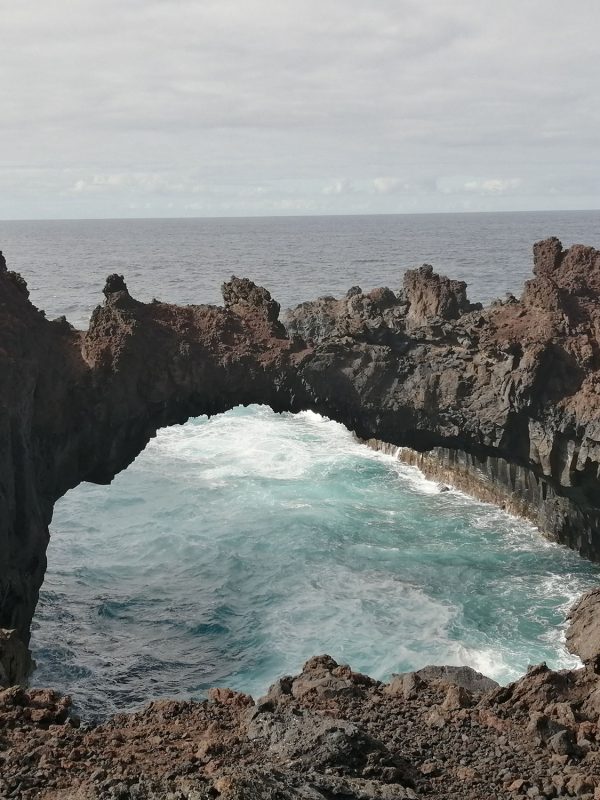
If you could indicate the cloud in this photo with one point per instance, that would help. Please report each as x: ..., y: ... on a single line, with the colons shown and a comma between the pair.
x: 338, y: 187
x: 419, y: 106
x: 493, y: 185
x: 136, y: 182
x: 386, y: 185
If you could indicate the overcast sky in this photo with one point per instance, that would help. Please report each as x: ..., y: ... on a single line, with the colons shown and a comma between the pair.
x: 131, y: 108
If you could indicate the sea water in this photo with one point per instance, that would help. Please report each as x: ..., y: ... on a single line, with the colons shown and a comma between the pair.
x: 236, y: 547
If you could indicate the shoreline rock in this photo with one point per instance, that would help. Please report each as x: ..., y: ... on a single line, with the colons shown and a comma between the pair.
x: 326, y: 733
x: 583, y: 631
x: 513, y: 488
x: 16, y: 664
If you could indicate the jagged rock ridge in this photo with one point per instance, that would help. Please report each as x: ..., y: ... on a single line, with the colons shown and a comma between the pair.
x: 512, y: 389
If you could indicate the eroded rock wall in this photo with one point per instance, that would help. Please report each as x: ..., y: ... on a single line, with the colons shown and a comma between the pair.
x: 511, y: 391
x: 512, y: 487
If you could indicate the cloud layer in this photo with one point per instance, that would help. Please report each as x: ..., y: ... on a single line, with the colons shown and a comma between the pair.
x: 195, y: 107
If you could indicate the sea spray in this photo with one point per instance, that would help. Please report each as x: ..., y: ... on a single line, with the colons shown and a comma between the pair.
x: 236, y: 547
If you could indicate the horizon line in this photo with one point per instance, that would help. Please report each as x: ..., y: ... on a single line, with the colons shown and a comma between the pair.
x: 303, y: 216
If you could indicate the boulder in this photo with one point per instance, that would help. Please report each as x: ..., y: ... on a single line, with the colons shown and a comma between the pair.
x: 583, y: 633
x: 16, y: 663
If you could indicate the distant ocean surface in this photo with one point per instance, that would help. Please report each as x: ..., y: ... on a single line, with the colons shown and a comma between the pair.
x: 296, y: 258
x: 236, y: 547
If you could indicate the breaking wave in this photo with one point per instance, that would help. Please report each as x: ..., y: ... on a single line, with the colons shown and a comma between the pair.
x: 236, y: 547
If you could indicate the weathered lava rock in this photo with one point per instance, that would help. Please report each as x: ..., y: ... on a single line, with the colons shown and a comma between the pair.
x: 430, y: 295
x: 509, y: 395
x: 15, y: 659
x: 583, y: 633
x: 326, y: 733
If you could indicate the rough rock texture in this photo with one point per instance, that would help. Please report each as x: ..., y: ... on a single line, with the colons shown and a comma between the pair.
x: 433, y: 296
x: 583, y: 633
x: 15, y: 659
x: 326, y: 734
x: 376, y: 317
x: 465, y: 677
x: 512, y: 391
x: 382, y: 316
x: 502, y: 401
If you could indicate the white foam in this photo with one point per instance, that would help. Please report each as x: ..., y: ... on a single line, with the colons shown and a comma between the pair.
x: 313, y: 417
x: 416, y: 480
x: 489, y: 661
x: 348, y: 573
x: 233, y: 447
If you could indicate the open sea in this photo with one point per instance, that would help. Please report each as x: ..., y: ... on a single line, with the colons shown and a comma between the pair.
x: 236, y: 547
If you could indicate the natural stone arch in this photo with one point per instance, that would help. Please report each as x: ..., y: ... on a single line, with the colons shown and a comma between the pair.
x: 505, y: 394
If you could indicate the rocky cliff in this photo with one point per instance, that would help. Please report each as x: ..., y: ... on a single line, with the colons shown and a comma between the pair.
x: 503, y: 402
x: 510, y: 393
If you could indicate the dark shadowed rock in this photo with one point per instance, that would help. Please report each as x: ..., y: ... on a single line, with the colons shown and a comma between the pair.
x: 377, y: 317
x: 18, y: 281
x: 114, y: 283
x: 583, y: 633
x: 563, y: 743
x: 506, y: 400
x: 15, y: 659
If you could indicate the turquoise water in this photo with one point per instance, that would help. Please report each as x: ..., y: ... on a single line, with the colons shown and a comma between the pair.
x: 236, y: 547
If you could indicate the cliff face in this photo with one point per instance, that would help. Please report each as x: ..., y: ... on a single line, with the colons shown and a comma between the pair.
x: 80, y: 406
x: 505, y: 400
x: 511, y: 392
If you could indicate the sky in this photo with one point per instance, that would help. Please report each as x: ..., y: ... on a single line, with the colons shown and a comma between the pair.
x: 179, y: 108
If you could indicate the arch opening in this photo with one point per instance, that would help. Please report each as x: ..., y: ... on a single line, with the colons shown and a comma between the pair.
x: 237, y: 546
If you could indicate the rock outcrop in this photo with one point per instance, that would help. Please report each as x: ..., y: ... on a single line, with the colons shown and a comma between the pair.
x: 510, y: 393
x: 583, y: 633
x: 432, y: 296
x: 15, y: 659
x: 326, y: 733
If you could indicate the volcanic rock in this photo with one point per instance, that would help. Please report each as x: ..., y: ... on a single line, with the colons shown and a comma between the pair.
x: 583, y: 633
x: 432, y: 296
x: 502, y: 401
x: 315, y: 745
x: 15, y: 659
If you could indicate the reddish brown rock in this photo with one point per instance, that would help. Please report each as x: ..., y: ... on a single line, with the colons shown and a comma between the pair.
x: 366, y: 745
x: 432, y: 296
x: 547, y: 256
x: 506, y: 397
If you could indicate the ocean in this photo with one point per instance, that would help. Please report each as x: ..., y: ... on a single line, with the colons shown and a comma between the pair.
x: 236, y: 547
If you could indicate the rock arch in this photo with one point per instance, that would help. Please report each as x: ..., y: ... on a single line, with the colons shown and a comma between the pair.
x: 506, y: 399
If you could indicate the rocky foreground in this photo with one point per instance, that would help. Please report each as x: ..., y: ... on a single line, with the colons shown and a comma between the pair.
x: 326, y: 734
